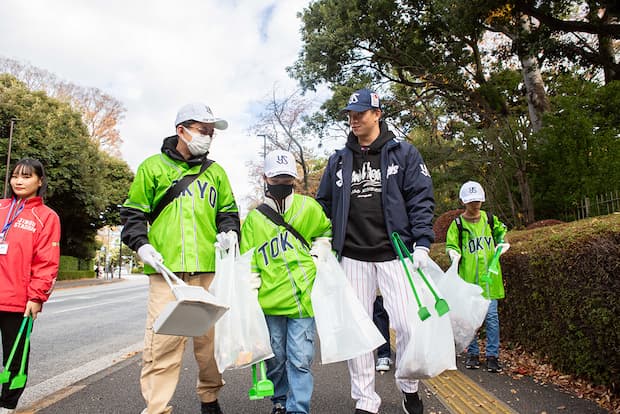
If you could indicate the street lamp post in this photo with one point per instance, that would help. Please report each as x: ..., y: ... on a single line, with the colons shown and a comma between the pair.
x: 120, y: 256
x: 264, y: 155
x: 264, y: 145
x: 8, y: 158
x: 108, y: 259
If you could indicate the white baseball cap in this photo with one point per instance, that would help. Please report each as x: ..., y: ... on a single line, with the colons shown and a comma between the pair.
x: 471, y: 191
x: 199, y: 112
x: 280, y: 162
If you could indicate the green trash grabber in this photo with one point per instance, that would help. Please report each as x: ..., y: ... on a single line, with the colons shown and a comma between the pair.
x: 260, y: 388
x: 19, y: 381
x: 441, y: 306
x: 493, y: 268
x: 6, y: 374
x: 423, y: 312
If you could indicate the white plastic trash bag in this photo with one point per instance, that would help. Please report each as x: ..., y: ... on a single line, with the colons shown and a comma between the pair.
x: 241, y: 335
x: 345, y: 329
x: 430, y: 350
x: 468, y: 308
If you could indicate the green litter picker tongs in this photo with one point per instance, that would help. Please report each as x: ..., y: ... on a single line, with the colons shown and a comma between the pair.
x: 260, y: 388
x: 493, y: 268
x: 19, y: 381
x: 441, y: 306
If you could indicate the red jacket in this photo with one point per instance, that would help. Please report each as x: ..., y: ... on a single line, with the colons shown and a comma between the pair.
x: 29, y: 268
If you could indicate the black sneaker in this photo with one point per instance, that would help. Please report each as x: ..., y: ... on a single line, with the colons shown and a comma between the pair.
x: 472, y: 362
x: 412, y: 404
x: 493, y: 365
x: 210, y: 408
x: 278, y: 409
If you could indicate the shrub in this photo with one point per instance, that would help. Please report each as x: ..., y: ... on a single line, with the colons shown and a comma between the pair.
x: 562, y: 296
x: 73, y: 268
x: 440, y: 227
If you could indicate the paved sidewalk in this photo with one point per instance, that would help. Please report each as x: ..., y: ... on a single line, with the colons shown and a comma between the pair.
x: 73, y: 283
x: 116, y: 390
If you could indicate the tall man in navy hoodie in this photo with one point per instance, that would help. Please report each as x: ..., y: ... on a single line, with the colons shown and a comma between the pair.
x: 374, y: 186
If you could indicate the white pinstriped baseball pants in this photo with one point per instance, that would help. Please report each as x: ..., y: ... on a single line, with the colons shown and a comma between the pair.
x: 391, y: 279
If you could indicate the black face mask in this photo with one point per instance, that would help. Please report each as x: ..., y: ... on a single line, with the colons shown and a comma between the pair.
x: 279, y: 191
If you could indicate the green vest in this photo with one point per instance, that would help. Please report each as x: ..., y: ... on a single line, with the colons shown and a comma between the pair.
x: 285, y: 266
x: 185, y: 230
x: 478, y: 250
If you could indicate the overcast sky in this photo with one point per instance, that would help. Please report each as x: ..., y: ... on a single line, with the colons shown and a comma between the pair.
x: 154, y: 56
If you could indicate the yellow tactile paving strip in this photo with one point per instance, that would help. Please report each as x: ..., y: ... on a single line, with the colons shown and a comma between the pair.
x: 460, y: 395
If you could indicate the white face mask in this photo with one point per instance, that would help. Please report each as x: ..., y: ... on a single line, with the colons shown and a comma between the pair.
x: 199, y: 145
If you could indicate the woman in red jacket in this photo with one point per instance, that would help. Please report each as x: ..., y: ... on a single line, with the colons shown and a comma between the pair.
x: 29, y: 256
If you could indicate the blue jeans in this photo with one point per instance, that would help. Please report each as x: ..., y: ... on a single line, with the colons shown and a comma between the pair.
x: 382, y: 322
x: 492, y: 327
x: 292, y: 342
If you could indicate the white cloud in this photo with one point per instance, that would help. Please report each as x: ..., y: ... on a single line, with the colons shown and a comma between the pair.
x: 157, y: 55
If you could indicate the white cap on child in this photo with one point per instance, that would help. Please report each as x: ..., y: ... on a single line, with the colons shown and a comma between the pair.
x: 471, y: 191
x: 280, y: 162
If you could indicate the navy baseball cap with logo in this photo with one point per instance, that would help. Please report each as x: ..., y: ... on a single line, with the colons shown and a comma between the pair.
x: 363, y: 100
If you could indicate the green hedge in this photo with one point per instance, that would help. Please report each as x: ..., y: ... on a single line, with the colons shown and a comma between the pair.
x: 75, y: 274
x: 562, y: 296
x: 73, y: 268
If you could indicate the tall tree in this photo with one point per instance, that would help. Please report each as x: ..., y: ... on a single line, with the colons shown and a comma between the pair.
x: 282, y: 124
x: 80, y: 176
x: 585, y: 32
x: 101, y: 112
x: 577, y: 153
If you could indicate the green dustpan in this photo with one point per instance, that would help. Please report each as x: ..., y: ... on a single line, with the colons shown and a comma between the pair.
x: 5, y: 376
x: 19, y: 381
x: 260, y: 388
x: 423, y: 312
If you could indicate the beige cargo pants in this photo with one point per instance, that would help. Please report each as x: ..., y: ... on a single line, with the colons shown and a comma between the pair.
x: 163, y: 354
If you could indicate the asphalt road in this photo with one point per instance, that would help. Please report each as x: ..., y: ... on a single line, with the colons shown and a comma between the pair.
x: 117, y: 391
x: 84, y: 330
x: 86, y: 359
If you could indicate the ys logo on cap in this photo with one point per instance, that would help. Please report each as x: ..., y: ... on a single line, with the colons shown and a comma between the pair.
x: 353, y: 98
x: 282, y: 160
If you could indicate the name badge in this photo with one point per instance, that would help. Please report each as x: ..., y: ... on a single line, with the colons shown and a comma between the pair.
x: 4, y: 248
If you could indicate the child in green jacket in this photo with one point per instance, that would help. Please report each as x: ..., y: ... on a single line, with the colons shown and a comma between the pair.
x: 473, y: 238
x: 283, y: 272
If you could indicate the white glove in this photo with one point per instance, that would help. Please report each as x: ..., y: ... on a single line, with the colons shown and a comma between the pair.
x: 226, y: 240
x: 504, y: 246
x: 255, y: 281
x: 150, y: 256
x: 320, y: 246
x: 454, y: 255
x: 420, y: 257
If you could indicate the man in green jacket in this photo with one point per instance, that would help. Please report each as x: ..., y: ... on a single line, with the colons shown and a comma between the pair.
x: 284, y: 273
x: 474, y: 242
x: 180, y: 231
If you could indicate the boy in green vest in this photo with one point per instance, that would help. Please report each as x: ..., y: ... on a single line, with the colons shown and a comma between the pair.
x: 473, y: 238
x: 284, y: 272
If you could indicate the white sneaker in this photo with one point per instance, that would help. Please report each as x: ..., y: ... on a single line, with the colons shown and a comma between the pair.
x: 383, y: 364
x: 6, y: 410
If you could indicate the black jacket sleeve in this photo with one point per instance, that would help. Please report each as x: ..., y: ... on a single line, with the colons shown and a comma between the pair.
x: 135, y: 229
x: 228, y: 221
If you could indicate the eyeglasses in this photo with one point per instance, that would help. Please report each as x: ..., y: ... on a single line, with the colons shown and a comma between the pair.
x: 203, y: 129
